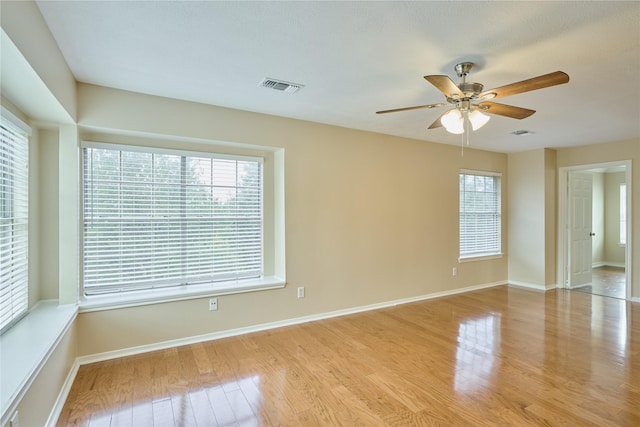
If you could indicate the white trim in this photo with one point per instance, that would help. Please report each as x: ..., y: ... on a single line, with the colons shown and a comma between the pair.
x: 131, y: 351
x: 607, y: 264
x: 170, y: 151
x: 177, y: 293
x: 535, y: 286
x: 15, y: 122
x: 62, y: 396
x: 584, y: 285
x: 99, y: 357
x: 271, y: 325
x: 477, y: 172
x: 474, y: 258
x: 611, y: 264
x: 562, y: 247
x: 24, y: 342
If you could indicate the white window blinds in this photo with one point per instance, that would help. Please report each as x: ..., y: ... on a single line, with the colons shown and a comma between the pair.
x: 480, y: 214
x: 14, y: 222
x: 156, y: 219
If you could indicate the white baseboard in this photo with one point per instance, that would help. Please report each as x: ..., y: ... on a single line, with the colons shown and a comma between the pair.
x: 62, y: 396
x: 584, y: 285
x: 608, y: 264
x: 99, y: 357
x: 535, y: 286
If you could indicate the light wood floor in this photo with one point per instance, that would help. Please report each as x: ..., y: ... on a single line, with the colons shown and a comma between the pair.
x: 607, y: 281
x: 500, y: 356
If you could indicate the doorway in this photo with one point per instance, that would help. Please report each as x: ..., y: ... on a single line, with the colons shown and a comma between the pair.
x: 594, y: 236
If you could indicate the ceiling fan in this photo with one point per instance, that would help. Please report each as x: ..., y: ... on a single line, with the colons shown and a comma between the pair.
x: 470, y: 101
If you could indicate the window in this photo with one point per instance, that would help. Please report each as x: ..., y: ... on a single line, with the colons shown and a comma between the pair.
x: 14, y: 221
x: 623, y: 214
x: 161, y: 218
x: 480, y: 214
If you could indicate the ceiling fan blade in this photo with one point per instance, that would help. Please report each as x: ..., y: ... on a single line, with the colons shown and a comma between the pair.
x: 437, y: 123
x: 505, y: 110
x: 417, y: 107
x: 540, y: 82
x: 445, y: 85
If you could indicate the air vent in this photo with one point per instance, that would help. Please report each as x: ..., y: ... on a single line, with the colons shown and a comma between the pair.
x: 281, y: 85
x: 521, y: 132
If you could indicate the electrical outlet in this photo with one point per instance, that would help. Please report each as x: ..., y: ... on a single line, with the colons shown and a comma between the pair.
x: 213, y: 304
x: 454, y: 272
x: 14, y: 421
x: 301, y: 292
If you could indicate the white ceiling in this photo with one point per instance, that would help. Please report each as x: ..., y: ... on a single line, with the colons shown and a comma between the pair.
x: 355, y: 58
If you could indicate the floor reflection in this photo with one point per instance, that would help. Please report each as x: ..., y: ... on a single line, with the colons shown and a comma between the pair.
x: 498, y: 356
x: 602, y: 312
x: 606, y: 281
x: 478, y: 341
x: 231, y: 403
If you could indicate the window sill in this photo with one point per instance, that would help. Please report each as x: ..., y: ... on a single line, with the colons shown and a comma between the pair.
x: 480, y: 258
x: 26, y: 347
x: 162, y: 295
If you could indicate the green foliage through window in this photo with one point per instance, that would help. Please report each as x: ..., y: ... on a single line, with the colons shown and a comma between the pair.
x: 155, y: 219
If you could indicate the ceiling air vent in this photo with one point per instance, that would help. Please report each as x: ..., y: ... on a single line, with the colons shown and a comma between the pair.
x: 281, y: 85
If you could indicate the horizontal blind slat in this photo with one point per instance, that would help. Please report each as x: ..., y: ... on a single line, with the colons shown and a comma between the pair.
x: 14, y: 220
x: 480, y: 214
x: 153, y: 219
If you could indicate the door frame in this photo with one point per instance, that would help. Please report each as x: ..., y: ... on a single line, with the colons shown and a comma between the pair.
x: 563, y: 222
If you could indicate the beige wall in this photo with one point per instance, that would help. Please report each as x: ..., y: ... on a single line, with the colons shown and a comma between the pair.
x: 612, y: 152
x: 597, y: 219
x: 369, y: 218
x: 48, y: 213
x: 550, y: 214
x: 526, y: 217
x: 532, y: 235
x: 613, y: 252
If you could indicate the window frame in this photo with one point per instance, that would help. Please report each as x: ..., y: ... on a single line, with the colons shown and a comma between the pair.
x: 175, y: 292
x: 8, y: 215
x: 480, y: 255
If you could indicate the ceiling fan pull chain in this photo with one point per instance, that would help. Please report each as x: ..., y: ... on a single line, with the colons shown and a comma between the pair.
x: 467, y: 123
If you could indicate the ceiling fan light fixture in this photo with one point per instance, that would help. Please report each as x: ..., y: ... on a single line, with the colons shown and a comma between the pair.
x: 478, y: 119
x: 453, y: 121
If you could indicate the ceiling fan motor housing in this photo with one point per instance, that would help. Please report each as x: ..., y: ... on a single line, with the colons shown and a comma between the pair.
x: 470, y: 89
x: 469, y: 97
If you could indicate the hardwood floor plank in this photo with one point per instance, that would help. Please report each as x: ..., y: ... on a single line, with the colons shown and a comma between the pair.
x: 400, y: 390
x: 202, y: 410
x: 163, y: 412
x: 142, y: 414
x: 241, y: 409
x: 220, y: 406
x: 358, y: 413
x: 503, y: 355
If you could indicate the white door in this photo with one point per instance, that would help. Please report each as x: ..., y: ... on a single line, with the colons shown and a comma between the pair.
x: 580, y: 232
